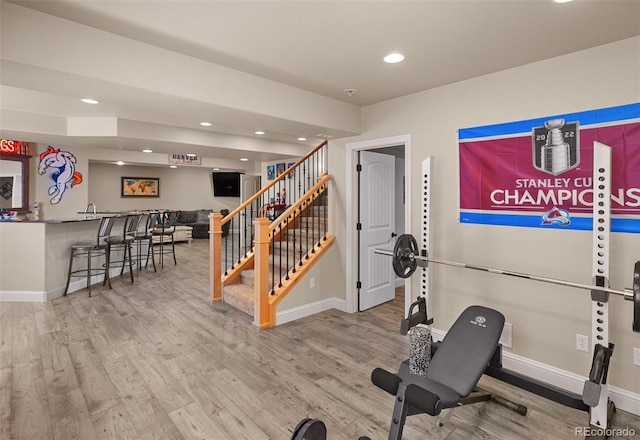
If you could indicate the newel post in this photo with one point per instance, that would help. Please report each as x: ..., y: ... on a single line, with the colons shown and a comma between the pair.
x: 215, y: 256
x: 261, y: 315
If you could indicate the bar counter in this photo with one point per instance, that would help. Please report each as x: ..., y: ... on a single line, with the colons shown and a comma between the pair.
x: 34, y: 257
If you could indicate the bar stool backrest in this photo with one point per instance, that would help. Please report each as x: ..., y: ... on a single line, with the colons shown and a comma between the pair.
x: 171, y: 218
x: 132, y: 223
x: 104, y: 230
x: 166, y: 221
x: 124, y: 222
x: 153, y: 220
x: 145, y: 224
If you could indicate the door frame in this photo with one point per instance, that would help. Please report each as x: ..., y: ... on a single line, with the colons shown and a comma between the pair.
x: 351, y: 232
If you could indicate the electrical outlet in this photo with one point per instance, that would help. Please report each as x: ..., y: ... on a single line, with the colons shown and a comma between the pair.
x: 506, y: 338
x: 312, y: 283
x: 636, y: 356
x: 582, y: 342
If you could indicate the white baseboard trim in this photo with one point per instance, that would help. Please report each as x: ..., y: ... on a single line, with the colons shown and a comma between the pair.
x: 299, y: 312
x: 623, y: 399
x: 42, y: 296
x: 23, y: 296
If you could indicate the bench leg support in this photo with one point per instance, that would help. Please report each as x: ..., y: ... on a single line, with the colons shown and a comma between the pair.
x: 400, y: 410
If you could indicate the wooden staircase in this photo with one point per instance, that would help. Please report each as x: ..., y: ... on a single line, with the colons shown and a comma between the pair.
x: 240, y: 292
x: 283, y: 251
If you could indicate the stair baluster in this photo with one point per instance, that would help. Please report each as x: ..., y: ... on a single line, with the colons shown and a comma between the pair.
x: 287, y: 233
x: 273, y: 264
x: 294, y: 240
x: 305, y: 212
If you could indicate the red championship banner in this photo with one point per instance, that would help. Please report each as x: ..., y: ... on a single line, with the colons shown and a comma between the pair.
x: 538, y: 173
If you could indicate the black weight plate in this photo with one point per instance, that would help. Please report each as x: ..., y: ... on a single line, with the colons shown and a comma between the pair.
x: 310, y: 429
x: 404, y: 252
x: 296, y: 431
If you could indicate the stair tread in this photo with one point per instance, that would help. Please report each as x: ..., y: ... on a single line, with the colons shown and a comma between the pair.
x: 239, y: 296
x: 248, y: 276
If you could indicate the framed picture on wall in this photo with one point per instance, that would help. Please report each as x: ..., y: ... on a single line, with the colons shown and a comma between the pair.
x: 280, y: 168
x: 271, y: 172
x: 292, y: 173
x: 140, y: 187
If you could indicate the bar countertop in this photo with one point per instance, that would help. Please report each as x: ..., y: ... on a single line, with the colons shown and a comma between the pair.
x: 51, y: 221
x: 82, y: 217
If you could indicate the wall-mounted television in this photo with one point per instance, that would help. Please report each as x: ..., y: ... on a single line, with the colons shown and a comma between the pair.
x: 226, y: 184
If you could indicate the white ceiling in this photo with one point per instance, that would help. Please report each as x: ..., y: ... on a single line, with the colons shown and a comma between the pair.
x: 305, y: 52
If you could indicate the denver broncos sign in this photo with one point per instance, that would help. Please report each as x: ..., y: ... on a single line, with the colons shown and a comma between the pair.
x: 62, y: 165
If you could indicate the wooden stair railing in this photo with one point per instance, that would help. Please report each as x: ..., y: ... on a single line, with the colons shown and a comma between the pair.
x: 268, y: 202
x: 266, y: 299
x: 266, y: 188
x: 265, y: 232
x: 286, y: 223
x: 245, y: 262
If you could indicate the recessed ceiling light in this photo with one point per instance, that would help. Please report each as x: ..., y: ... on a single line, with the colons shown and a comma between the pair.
x: 301, y: 139
x: 89, y: 101
x: 206, y: 124
x: 173, y: 166
x: 191, y: 155
x: 260, y: 132
x: 243, y: 159
x: 146, y: 150
x: 216, y: 169
x: 393, y: 58
x: 119, y: 162
x: 562, y: 1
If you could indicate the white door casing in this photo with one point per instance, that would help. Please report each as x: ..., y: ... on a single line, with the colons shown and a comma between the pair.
x: 351, y: 233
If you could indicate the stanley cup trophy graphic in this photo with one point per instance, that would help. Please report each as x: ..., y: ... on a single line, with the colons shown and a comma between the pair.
x: 555, y: 146
x: 555, y: 153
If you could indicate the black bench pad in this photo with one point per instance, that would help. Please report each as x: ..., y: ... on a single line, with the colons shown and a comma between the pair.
x: 456, y: 367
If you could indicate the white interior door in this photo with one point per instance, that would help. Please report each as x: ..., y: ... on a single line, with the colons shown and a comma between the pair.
x: 249, y: 185
x: 377, y: 217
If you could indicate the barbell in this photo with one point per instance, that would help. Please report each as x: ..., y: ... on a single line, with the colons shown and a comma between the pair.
x: 406, y: 259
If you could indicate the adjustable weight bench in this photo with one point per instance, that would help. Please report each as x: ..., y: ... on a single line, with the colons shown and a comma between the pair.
x: 451, y: 378
x: 453, y: 373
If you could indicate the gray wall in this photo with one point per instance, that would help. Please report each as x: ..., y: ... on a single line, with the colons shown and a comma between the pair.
x: 181, y: 188
x: 545, y: 318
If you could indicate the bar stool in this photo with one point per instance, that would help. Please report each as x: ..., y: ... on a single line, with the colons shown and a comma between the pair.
x: 164, y: 230
x: 144, y: 235
x: 92, y: 249
x: 123, y: 242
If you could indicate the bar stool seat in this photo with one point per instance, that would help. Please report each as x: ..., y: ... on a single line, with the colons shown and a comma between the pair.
x: 90, y: 249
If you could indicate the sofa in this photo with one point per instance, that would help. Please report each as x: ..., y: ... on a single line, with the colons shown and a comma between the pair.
x: 199, y: 220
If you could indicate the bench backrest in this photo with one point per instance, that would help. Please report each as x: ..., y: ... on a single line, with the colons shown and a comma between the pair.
x: 467, y: 348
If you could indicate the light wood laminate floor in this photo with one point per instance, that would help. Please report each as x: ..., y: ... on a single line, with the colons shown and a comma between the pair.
x: 157, y: 360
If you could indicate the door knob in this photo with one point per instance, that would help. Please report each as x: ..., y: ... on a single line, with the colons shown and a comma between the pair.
x: 393, y: 234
